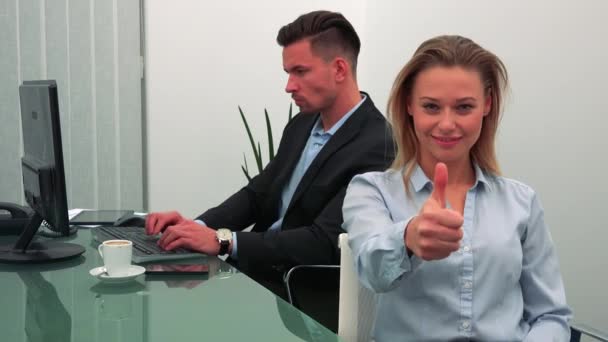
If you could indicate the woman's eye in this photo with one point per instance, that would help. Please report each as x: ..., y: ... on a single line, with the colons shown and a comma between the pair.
x: 430, y: 107
x: 464, y: 108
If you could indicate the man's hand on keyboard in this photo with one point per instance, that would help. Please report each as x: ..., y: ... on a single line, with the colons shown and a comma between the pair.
x: 191, y: 235
x: 157, y: 222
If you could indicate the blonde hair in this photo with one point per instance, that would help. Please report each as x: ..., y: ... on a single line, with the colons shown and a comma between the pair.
x: 447, y: 51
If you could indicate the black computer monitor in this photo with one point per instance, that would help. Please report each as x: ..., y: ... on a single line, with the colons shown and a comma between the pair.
x: 43, y: 176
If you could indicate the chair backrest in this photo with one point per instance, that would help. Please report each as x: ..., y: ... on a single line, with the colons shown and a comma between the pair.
x: 357, y: 306
x: 313, y: 289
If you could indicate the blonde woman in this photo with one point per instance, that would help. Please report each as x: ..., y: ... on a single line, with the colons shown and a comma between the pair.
x: 457, y: 251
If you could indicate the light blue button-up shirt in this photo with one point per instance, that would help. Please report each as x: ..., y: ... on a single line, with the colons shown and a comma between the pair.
x: 504, y: 283
x: 317, y: 139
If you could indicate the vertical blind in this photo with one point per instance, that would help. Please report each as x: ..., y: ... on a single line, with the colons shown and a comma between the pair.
x: 93, y: 50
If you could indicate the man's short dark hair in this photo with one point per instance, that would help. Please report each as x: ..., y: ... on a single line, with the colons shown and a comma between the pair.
x: 330, y: 35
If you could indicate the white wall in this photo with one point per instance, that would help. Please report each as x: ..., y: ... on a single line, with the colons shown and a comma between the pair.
x: 205, y: 59
x: 91, y: 48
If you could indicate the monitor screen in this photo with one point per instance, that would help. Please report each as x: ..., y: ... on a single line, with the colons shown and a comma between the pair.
x: 42, y: 162
x: 43, y: 177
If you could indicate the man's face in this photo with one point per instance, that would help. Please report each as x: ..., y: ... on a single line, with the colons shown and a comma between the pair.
x: 311, y: 81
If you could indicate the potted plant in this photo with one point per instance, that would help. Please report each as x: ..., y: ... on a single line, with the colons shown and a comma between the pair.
x: 255, y: 146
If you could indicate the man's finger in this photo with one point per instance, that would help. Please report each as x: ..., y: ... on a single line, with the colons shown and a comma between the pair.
x: 158, y: 224
x: 170, y: 234
x: 440, y: 182
x: 179, y: 242
x: 151, y: 223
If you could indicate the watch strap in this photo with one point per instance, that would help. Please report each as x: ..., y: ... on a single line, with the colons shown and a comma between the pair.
x: 224, y: 244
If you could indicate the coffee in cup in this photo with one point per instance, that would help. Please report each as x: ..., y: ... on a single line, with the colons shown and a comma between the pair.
x: 117, y: 243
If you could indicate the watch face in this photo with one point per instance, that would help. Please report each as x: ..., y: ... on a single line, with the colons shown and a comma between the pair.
x: 224, y: 234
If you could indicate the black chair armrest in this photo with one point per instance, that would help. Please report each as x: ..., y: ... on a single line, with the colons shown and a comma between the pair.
x: 314, y: 290
x: 579, y: 329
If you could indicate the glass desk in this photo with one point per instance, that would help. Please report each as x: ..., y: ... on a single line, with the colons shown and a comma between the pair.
x: 63, y: 302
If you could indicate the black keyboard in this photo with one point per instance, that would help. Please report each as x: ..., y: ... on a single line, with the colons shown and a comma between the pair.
x: 143, y: 244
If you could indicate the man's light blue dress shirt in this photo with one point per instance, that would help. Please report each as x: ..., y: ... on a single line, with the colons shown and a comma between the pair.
x: 504, y: 283
x: 317, y: 139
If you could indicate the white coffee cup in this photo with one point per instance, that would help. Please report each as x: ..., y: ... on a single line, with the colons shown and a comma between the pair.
x: 116, y: 255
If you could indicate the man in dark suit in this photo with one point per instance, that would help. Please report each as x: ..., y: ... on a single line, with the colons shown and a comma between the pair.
x: 295, y: 204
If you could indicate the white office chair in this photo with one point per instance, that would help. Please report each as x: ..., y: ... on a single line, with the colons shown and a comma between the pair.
x: 357, y: 306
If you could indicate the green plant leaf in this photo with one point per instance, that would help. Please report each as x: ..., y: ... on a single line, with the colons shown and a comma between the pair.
x: 270, y: 140
x: 256, y: 153
x: 245, y: 168
x: 245, y: 161
x: 259, y: 156
x: 246, y: 174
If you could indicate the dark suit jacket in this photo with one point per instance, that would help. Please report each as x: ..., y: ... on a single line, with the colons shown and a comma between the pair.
x: 313, y: 219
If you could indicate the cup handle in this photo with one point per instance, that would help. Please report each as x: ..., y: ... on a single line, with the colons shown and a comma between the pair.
x: 100, y: 250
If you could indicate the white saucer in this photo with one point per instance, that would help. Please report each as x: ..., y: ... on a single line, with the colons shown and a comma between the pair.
x: 100, y: 273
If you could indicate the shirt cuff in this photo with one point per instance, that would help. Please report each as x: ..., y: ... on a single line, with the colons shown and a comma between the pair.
x: 407, y: 263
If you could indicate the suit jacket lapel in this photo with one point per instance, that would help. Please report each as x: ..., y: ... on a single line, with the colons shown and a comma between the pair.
x: 299, y: 142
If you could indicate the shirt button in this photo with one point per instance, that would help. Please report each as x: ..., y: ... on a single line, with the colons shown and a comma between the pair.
x: 465, y: 325
x: 467, y: 285
x: 466, y: 249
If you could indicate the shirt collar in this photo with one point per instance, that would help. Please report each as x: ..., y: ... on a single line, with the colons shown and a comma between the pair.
x: 318, y: 127
x: 419, y: 180
x: 481, y: 177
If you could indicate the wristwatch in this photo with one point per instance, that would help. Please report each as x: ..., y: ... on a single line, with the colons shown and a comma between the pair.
x: 224, y: 237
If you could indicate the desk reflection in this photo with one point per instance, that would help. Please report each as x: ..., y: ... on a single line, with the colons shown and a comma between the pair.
x: 120, y: 312
x: 177, y: 275
x: 46, y: 318
x: 301, y: 325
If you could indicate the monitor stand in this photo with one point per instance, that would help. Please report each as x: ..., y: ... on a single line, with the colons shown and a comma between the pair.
x: 26, y: 251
